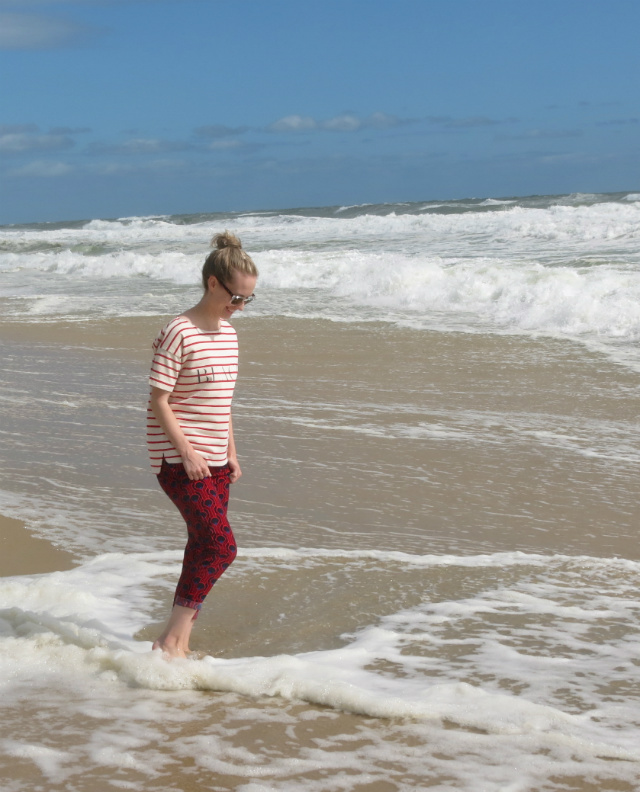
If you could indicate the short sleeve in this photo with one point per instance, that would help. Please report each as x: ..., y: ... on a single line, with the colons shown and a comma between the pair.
x: 166, y: 363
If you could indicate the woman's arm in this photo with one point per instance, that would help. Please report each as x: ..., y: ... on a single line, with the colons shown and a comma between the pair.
x: 234, y: 467
x: 195, y: 464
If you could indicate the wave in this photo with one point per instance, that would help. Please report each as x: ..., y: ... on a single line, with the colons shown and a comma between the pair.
x: 500, y: 662
x: 567, y: 267
x: 407, y: 664
x: 577, y: 216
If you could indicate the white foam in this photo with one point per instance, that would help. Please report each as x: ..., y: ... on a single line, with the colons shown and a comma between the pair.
x: 569, y: 269
x: 512, y: 655
x: 497, y: 202
x: 601, y: 439
x: 48, y: 760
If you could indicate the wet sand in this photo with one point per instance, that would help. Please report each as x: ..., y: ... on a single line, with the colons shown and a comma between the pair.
x: 25, y: 554
x: 360, y: 435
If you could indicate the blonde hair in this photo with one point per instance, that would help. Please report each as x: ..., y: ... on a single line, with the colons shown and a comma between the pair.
x: 227, y: 258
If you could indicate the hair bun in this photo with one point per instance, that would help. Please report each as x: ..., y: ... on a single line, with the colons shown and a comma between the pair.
x: 226, y: 240
x: 227, y: 258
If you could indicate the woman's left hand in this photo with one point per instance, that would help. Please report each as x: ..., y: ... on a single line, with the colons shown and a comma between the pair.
x: 234, y: 470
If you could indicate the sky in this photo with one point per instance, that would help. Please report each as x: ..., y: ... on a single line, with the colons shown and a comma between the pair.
x: 116, y: 108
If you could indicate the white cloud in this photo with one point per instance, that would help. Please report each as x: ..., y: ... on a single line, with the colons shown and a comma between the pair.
x: 34, y: 32
x: 222, y: 145
x: 13, y: 129
x: 293, y: 123
x: 45, y: 169
x: 467, y: 123
x: 110, y: 168
x: 139, y: 146
x: 117, y: 168
x: 619, y: 122
x: 542, y: 134
x: 566, y: 157
x: 219, y: 131
x: 384, y: 121
x: 69, y: 130
x: 347, y: 122
x: 18, y: 142
x: 343, y: 123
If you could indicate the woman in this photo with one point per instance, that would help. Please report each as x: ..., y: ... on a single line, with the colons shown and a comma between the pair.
x: 189, y: 428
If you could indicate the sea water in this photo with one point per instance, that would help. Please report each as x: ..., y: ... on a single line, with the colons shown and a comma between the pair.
x: 438, y: 570
x: 567, y: 266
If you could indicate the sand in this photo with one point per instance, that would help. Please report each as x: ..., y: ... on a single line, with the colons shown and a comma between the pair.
x: 26, y: 554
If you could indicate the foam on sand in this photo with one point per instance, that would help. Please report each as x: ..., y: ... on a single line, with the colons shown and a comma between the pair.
x: 494, y: 658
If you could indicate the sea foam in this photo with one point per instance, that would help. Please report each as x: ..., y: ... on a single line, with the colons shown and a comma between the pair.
x: 566, y: 268
x: 511, y: 660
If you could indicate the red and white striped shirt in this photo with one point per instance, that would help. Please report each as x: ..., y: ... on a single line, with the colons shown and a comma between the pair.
x: 199, y: 369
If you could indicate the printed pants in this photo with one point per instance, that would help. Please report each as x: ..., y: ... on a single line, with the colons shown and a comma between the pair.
x: 211, y: 547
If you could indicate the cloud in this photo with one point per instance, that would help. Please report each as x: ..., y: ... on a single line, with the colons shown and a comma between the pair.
x: 347, y: 122
x: 69, y: 130
x: 565, y: 157
x: 45, y: 169
x: 542, y: 134
x: 619, y: 122
x: 571, y: 105
x: 467, y: 123
x: 293, y: 123
x: 384, y: 121
x: 234, y: 146
x: 226, y: 145
x: 139, y: 146
x: 20, y: 31
x: 16, y: 129
x: 155, y: 146
x: 343, y: 123
x: 19, y: 142
x: 164, y: 165
x: 51, y: 169
x: 219, y: 131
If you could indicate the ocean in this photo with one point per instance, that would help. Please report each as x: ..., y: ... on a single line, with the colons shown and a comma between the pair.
x: 439, y: 564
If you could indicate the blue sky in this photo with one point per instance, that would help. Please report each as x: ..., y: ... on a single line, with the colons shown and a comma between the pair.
x: 112, y: 108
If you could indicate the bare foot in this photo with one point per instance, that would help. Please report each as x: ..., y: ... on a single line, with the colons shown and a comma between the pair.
x: 197, y: 654
x: 174, y: 641
x: 168, y: 651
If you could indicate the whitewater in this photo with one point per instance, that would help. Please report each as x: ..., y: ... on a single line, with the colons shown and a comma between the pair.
x: 565, y: 266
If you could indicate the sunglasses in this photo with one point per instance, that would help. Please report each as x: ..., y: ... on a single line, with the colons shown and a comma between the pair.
x: 237, y: 299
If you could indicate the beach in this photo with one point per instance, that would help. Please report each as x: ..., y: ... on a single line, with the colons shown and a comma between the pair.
x: 437, y: 521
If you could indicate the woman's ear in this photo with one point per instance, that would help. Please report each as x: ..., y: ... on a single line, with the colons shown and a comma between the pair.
x: 212, y: 282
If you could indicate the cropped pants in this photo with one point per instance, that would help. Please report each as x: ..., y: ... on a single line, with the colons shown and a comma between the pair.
x: 211, y: 547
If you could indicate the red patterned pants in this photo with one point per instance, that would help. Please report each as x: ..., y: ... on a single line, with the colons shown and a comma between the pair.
x: 211, y: 547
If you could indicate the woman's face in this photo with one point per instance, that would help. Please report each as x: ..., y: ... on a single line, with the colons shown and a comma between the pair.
x: 239, y: 284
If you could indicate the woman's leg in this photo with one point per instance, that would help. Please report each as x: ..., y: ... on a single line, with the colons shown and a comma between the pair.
x: 210, y: 548
x: 174, y: 641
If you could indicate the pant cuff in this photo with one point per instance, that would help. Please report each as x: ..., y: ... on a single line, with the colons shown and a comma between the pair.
x: 185, y: 603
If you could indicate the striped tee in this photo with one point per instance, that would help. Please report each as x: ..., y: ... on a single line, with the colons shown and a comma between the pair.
x: 199, y: 369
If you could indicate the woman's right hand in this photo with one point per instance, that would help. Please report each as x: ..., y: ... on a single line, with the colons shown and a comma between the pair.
x: 195, y: 466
